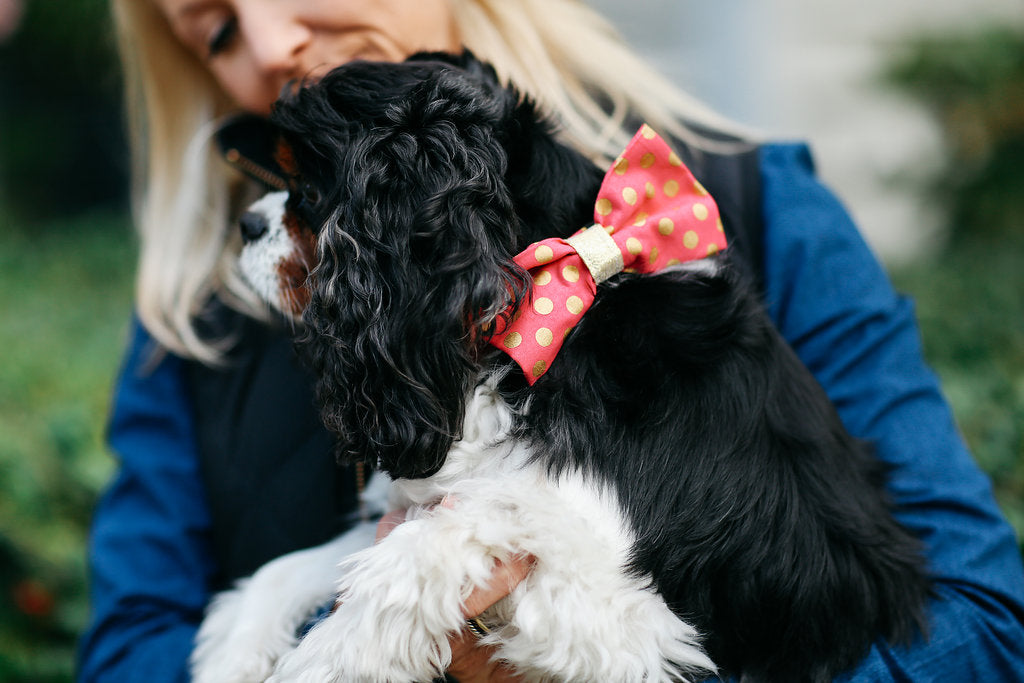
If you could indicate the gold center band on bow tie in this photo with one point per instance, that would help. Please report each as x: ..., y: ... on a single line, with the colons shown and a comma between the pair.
x: 599, y: 252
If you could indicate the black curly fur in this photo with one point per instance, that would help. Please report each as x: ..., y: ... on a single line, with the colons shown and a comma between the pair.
x: 760, y: 519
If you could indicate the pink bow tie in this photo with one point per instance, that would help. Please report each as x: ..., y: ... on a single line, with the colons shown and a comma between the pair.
x: 651, y: 213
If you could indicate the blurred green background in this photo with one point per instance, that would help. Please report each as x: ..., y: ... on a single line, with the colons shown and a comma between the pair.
x: 66, y: 267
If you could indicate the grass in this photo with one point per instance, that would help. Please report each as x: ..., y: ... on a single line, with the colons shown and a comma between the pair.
x: 65, y: 298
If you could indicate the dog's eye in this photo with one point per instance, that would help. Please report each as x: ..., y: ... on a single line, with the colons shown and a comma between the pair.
x: 304, y: 200
x: 309, y: 194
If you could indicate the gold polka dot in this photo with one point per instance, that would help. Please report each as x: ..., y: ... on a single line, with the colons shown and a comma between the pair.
x: 641, y: 218
x: 634, y: 246
x: 544, y: 336
x: 712, y: 249
x: 671, y: 188
x: 609, y: 229
x: 647, y: 132
x: 700, y: 212
x: 654, y: 255
x: 647, y: 160
x: 543, y: 253
x: 566, y: 333
x: 543, y: 305
x: 513, y: 340
x: 674, y: 159
x: 699, y: 189
x: 629, y: 195
x: 673, y: 262
x: 649, y: 190
x: 721, y: 228
x: 574, y: 305
x: 666, y: 226
x: 621, y: 166
x: 542, y: 278
x: 690, y: 239
x: 603, y: 206
x: 571, y: 273
x: 539, y: 367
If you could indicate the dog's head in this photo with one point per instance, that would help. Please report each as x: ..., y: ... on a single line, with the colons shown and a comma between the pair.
x: 414, y: 185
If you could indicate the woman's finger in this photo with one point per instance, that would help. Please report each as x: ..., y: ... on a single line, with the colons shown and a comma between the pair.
x: 388, y: 523
x: 473, y: 663
x: 505, y: 576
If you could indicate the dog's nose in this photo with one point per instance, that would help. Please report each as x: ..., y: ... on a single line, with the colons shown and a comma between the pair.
x: 254, y: 226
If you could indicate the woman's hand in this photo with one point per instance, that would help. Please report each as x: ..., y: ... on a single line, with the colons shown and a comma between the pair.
x: 471, y: 661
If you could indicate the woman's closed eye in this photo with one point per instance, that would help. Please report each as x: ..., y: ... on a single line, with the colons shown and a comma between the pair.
x: 222, y: 37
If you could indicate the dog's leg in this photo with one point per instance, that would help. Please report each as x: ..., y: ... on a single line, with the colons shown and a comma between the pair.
x: 399, y: 601
x: 579, y: 616
x: 247, y: 629
x: 582, y: 625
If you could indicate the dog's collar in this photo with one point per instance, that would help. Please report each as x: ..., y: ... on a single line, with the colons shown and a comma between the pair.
x: 650, y: 213
x: 248, y: 142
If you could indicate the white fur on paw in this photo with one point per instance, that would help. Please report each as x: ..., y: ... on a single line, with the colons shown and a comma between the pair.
x: 385, y: 629
x: 628, y: 634
x: 248, y: 629
x: 227, y: 651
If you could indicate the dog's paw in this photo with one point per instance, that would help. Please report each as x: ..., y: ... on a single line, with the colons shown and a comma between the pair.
x: 612, y: 630
x: 231, y: 649
x: 397, y: 605
x: 252, y: 667
x: 304, y: 667
x: 247, y: 629
x: 367, y: 642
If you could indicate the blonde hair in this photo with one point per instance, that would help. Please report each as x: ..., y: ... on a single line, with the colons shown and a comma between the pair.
x: 559, y: 52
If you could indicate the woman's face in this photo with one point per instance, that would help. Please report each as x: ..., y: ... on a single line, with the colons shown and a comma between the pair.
x: 254, y: 47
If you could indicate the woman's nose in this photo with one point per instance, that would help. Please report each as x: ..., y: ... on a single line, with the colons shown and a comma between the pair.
x: 277, y: 42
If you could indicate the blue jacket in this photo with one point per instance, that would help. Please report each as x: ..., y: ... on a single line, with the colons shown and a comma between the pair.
x: 152, y: 563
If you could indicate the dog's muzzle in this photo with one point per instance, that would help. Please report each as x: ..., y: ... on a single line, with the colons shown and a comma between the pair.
x: 253, y: 225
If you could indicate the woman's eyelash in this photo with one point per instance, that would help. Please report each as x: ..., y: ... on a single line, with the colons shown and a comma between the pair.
x: 222, y: 37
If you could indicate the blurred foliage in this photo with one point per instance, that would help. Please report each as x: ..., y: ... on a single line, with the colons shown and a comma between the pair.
x: 65, y: 297
x: 971, y: 298
x: 970, y: 303
x: 974, y: 85
x: 62, y: 150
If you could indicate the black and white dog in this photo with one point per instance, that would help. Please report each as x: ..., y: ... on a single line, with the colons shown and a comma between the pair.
x: 690, y: 496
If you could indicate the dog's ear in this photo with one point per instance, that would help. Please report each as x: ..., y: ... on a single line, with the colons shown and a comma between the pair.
x: 416, y: 259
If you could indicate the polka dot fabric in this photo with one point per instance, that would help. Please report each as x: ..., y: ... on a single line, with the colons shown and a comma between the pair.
x: 650, y: 213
